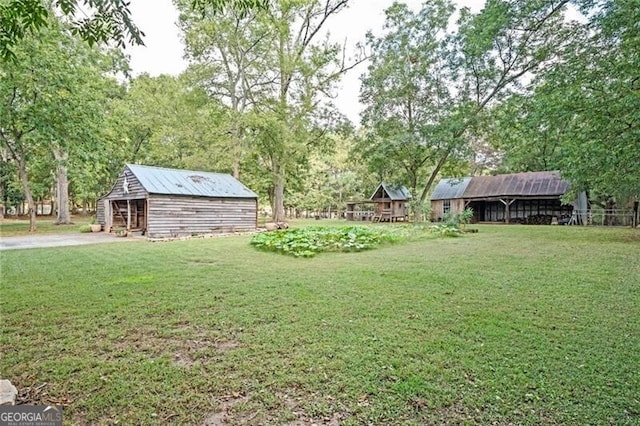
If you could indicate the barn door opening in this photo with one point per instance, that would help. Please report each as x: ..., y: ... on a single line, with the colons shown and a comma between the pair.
x: 129, y: 212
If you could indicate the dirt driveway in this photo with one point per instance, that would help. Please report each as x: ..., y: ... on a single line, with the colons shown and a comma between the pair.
x: 59, y: 240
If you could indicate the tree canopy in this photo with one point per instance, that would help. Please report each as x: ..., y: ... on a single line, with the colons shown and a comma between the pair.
x: 518, y: 86
x: 93, y: 20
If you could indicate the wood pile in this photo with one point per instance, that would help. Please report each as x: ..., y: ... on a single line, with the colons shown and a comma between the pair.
x: 541, y: 219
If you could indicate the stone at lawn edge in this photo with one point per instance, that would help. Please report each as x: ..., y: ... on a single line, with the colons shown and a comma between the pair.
x: 8, y: 393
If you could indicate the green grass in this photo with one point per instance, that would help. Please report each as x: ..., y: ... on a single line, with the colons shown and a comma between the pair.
x: 513, y: 325
x: 10, y: 227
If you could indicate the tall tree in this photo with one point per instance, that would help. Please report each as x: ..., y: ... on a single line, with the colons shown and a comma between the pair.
x: 304, y: 68
x: 583, y: 116
x: 166, y: 121
x: 226, y: 51
x: 405, y: 94
x: 276, y: 63
x: 50, y: 104
x: 488, y: 58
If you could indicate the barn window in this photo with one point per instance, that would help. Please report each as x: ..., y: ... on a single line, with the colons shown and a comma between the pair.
x: 446, y: 206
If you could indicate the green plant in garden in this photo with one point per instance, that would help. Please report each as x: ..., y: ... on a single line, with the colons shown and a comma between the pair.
x: 307, y: 242
x: 84, y: 228
x: 460, y: 219
x: 446, y: 230
x: 453, y: 224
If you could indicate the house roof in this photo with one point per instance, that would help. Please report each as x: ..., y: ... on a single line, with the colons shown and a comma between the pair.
x: 528, y: 184
x: 158, y: 180
x: 395, y: 192
x: 450, y: 188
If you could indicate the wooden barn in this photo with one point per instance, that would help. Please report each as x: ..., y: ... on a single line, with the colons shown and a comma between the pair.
x: 390, y: 203
x: 531, y: 197
x: 165, y: 203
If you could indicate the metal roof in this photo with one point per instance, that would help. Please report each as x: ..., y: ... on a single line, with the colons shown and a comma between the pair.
x: 450, y: 188
x: 395, y: 192
x: 158, y: 180
x: 529, y: 184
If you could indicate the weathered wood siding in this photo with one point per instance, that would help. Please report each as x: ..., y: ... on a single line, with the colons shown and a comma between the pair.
x: 177, y: 216
x: 437, y: 208
x: 136, y: 190
x: 399, y: 209
x: 100, y: 211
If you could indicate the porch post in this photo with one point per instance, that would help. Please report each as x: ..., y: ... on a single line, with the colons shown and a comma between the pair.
x: 108, y: 215
x: 506, y: 203
x: 128, y: 215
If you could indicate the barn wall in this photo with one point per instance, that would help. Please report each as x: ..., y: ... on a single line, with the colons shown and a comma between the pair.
x: 176, y: 216
x: 100, y: 211
x: 136, y: 190
x: 399, y: 209
x: 436, y: 210
x: 456, y: 206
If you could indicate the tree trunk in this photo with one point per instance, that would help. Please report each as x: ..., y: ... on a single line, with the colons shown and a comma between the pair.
x: 62, y: 188
x: 22, y: 174
x: 237, y: 149
x: 278, y: 199
x: 427, y: 187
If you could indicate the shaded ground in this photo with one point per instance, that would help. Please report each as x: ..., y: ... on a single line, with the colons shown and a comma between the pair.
x: 59, y: 240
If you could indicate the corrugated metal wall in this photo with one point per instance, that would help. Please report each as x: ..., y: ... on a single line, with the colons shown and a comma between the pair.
x: 176, y: 216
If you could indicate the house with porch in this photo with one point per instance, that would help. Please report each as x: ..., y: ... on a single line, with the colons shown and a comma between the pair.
x: 530, y: 197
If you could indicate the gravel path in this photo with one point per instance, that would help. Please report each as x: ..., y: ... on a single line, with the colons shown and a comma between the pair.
x: 59, y: 240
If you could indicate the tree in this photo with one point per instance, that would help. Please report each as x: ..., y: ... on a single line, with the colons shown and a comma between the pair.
x: 303, y: 71
x: 104, y: 21
x: 458, y: 76
x: 277, y: 69
x: 50, y: 106
x: 227, y: 51
x: 405, y: 94
x: 599, y: 88
x: 166, y: 121
x: 526, y: 129
x: 582, y: 118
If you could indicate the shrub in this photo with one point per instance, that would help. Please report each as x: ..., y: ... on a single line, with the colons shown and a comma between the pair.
x: 85, y: 228
x: 445, y: 230
x: 307, y: 242
x: 459, y: 219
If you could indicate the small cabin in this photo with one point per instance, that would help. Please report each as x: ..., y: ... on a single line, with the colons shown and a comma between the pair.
x: 390, y: 203
x: 167, y: 203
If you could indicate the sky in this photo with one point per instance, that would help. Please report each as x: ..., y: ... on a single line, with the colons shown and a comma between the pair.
x: 163, y: 50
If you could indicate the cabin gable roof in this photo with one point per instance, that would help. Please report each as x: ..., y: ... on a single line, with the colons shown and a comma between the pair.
x: 393, y: 192
x: 159, y: 180
x: 450, y: 188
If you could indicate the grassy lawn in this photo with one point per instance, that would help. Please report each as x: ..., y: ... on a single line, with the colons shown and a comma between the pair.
x: 10, y: 227
x: 513, y: 325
